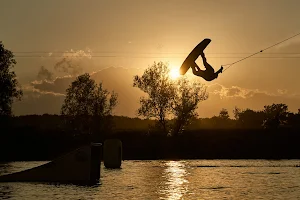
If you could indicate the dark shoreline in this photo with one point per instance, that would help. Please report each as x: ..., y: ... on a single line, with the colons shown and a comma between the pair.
x: 29, y: 145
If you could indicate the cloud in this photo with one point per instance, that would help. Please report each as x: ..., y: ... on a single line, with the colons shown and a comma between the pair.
x: 72, y: 61
x: 238, y: 92
x: 118, y: 79
x: 58, y: 85
x: 290, y: 46
x: 231, y: 92
x: 29, y: 89
x: 44, y: 74
x: 282, y: 91
x: 229, y: 97
x: 78, y: 54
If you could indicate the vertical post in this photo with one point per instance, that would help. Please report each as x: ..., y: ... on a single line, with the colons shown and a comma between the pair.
x: 112, y: 153
x: 96, y: 149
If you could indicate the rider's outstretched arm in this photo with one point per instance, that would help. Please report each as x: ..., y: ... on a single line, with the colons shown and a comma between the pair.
x: 203, y: 58
x: 207, y: 66
x: 220, y: 70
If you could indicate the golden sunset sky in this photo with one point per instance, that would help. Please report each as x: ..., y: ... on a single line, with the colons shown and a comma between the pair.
x: 115, y: 40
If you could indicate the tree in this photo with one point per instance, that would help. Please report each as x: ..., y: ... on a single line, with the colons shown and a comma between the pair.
x: 293, y: 120
x: 168, y: 98
x: 248, y: 118
x: 275, y: 115
x: 87, y: 103
x: 9, y: 87
x: 186, y: 98
x: 156, y: 83
x: 236, y: 113
x: 224, y: 114
x: 222, y: 121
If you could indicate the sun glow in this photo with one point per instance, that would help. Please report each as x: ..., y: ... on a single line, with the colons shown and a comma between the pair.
x: 174, y: 73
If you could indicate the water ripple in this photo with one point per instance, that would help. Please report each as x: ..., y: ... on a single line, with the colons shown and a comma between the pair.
x: 186, y: 179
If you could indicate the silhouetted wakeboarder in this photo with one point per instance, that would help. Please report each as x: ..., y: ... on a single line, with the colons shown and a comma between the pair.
x: 209, y: 73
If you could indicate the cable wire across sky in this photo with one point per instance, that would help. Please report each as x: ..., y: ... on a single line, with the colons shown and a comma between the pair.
x: 88, y: 54
x: 231, y: 64
x: 44, y: 54
x: 131, y: 56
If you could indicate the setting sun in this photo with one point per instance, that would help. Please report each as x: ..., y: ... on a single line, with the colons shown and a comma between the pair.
x: 174, y: 73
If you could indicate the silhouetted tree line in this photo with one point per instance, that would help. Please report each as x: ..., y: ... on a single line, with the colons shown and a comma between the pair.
x: 272, y: 117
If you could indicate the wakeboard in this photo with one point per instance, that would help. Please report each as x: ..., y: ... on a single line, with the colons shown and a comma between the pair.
x: 192, y: 57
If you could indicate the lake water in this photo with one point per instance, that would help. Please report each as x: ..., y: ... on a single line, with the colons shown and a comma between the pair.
x: 184, y: 179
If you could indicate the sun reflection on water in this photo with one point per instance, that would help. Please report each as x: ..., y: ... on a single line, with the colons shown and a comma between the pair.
x: 176, y: 184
